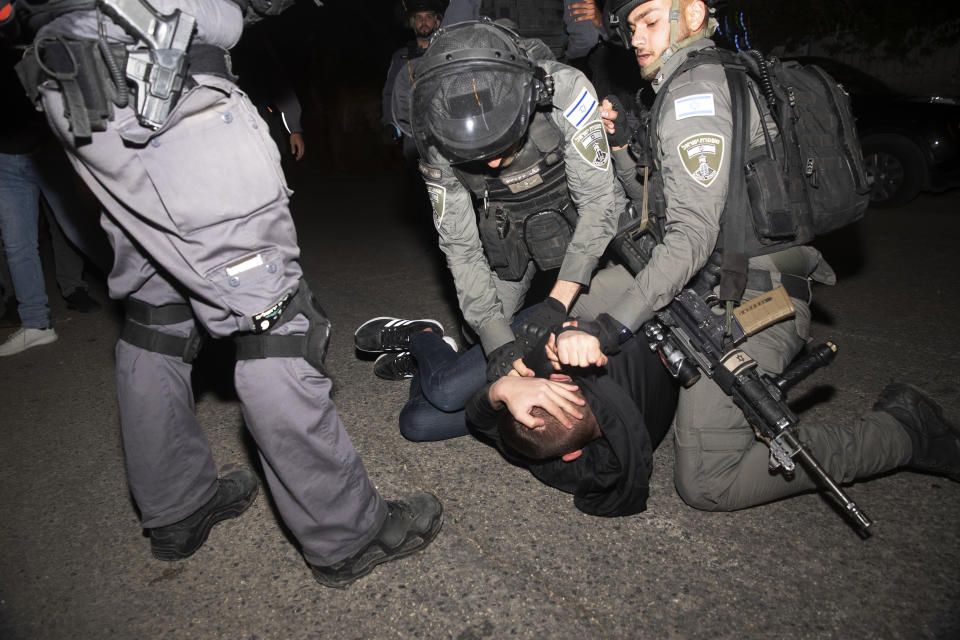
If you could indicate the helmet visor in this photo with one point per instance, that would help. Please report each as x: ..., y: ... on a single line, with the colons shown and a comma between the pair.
x: 473, y: 110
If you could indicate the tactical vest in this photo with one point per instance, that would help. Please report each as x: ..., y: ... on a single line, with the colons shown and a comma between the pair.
x: 525, y: 211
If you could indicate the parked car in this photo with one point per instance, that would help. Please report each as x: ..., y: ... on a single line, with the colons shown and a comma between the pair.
x: 910, y: 143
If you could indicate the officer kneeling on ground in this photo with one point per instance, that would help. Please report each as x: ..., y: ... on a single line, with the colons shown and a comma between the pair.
x: 720, y: 464
x: 518, y: 172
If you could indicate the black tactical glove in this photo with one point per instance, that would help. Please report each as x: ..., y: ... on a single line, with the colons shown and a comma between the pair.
x: 608, y: 331
x: 621, y: 135
x: 500, y: 361
x: 545, y: 319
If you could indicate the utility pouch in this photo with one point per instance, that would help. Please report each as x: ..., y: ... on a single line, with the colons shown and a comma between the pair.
x: 503, y: 243
x: 773, y: 219
x: 547, y: 234
x: 83, y: 75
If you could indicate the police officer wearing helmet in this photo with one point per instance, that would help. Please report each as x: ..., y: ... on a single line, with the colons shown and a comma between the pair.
x: 197, y: 211
x: 518, y: 172
x: 424, y: 17
x: 720, y: 465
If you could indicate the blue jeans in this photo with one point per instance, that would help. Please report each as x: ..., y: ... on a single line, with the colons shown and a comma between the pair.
x: 441, y: 387
x: 19, y: 219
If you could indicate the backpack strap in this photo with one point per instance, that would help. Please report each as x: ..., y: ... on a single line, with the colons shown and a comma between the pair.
x: 733, y: 220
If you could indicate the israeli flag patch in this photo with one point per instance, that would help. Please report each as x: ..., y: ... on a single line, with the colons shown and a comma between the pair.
x: 700, y: 104
x: 580, y: 109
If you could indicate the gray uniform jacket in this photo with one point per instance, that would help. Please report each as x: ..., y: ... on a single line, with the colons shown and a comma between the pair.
x: 694, y: 129
x: 593, y: 188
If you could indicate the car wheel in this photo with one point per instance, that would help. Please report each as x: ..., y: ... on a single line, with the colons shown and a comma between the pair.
x: 895, y: 169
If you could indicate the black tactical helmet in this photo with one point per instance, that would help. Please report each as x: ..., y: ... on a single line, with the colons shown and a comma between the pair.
x: 474, y: 91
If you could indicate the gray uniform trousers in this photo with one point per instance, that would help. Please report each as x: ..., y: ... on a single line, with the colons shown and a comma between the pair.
x: 198, y: 213
x: 719, y: 463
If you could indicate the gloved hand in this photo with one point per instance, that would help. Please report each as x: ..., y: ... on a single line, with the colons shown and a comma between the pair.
x: 546, y: 318
x: 608, y: 331
x: 621, y: 129
x: 500, y: 360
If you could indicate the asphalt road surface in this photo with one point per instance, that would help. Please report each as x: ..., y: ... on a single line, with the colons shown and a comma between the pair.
x: 514, y: 558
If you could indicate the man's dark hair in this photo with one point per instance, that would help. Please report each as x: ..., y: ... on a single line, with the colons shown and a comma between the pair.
x: 550, y: 440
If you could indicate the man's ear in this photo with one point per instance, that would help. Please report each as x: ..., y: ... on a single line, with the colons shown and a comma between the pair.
x: 696, y: 15
x: 573, y: 455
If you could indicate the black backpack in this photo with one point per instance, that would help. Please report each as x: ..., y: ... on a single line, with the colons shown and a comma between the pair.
x: 809, y: 180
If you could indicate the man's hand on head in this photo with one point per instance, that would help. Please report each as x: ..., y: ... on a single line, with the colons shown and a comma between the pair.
x: 522, y: 394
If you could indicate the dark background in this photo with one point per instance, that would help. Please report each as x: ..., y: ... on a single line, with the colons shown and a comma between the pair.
x: 336, y: 56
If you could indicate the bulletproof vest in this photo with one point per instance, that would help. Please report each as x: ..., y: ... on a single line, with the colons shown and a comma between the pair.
x: 524, y: 211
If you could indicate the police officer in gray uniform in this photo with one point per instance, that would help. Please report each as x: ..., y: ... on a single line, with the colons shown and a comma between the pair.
x: 518, y: 172
x: 720, y: 465
x: 196, y: 208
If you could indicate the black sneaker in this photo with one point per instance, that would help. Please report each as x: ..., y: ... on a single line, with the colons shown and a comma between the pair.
x: 936, y: 442
x: 395, y: 366
x: 409, y: 527
x: 81, y: 301
x: 390, y: 334
x: 235, y: 492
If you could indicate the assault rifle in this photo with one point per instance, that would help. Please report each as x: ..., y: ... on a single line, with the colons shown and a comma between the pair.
x: 691, y: 338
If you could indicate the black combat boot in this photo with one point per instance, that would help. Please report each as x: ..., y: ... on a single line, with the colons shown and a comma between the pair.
x: 936, y: 442
x: 235, y: 492
x: 409, y: 527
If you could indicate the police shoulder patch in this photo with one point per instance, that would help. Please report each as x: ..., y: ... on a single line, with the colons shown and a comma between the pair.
x: 591, y: 143
x: 702, y: 156
x: 437, y: 196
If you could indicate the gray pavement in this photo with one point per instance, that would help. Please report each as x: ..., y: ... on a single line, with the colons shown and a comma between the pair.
x: 514, y: 558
